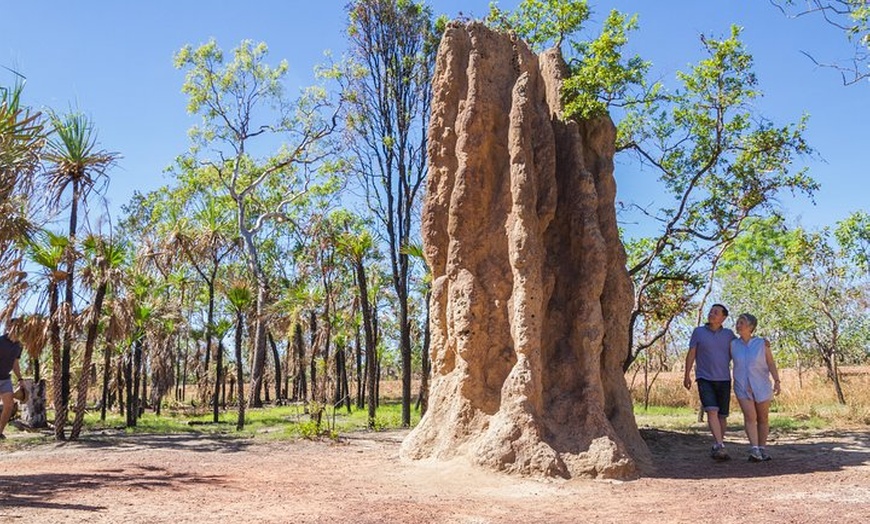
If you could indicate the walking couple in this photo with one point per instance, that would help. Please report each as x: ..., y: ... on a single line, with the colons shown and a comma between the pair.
x: 712, y: 348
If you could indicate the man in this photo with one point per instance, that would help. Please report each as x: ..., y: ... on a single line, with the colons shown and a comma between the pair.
x: 10, y: 352
x: 710, y: 353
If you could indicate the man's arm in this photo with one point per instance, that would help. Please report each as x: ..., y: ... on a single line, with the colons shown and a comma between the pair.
x: 16, y: 369
x: 690, y: 361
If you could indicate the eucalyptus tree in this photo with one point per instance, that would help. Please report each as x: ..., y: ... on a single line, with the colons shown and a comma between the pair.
x: 719, y: 161
x: 393, y: 44
x: 853, y: 235
x: 806, y: 289
x: 244, y: 111
x: 78, y: 167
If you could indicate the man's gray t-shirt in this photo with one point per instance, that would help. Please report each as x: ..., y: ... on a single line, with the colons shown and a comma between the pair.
x: 712, y: 352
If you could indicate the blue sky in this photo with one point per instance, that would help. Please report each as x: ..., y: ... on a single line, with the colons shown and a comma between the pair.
x: 113, y: 60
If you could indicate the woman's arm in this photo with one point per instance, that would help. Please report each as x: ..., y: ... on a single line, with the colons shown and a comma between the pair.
x: 771, y: 366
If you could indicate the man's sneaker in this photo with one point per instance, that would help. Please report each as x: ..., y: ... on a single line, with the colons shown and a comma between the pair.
x: 719, y: 454
x: 764, y: 456
x: 755, y: 455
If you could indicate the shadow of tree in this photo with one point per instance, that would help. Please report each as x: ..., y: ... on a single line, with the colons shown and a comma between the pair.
x: 684, y: 455
x: 198, y: 442
x: 39, y: 491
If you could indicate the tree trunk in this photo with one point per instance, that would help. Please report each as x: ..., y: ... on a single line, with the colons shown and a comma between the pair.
x: 406, y: 360
x: 219, y: 371
x: 276, y: 357
x: 423, y: 398
x: 360, y: 387
x: 312, y: 374
x: 301, y: 388
x: 259, y: 365
x: 69, y: 305
x: 240, y: 422
x: 129, y: 390
x: 56, y: 367
x: 33, y: 412
x: 87, y: 357
x: 369, y: 333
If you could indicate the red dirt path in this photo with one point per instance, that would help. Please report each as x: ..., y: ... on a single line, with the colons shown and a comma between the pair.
x: 814, y: 478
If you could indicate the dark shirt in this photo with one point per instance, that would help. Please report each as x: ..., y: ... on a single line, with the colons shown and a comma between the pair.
x: 9, y: 353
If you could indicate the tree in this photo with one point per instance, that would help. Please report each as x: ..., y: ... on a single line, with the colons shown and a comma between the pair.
x: 805, y: 289
x: 105, y: 261
x: 721, y: 163
x: 853, y: 235
x: 240, y: 298
x: 206, y: 240
x: 850, y: 16
x: 393, y: 43
x: 356, y: 245
x: 77, y: 164
x: 21, y: 141
x: 233, y: 98
x: 718, y: 161
x: 46, y: 250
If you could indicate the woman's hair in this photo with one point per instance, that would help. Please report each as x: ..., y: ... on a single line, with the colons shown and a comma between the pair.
x: 753, y: 322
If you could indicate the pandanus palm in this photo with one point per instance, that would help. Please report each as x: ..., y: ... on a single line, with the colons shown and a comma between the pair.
x: 78, y: 165
x: 240, y: 297
x: 105, y: 260
x: 21, y: 140
x: 46, y: 250
x: 206, y: 240
x: 356, y: 247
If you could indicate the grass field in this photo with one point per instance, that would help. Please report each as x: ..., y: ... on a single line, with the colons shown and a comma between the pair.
x: 808, y: 400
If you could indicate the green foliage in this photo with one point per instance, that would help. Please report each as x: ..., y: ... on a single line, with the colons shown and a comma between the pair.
x: 720, y: 163
x: 22, y: 137
x: 599, y: 76
x: 72, y: 149
x: 810, y: 298
x: 853, y: 234
x: 541, y: 22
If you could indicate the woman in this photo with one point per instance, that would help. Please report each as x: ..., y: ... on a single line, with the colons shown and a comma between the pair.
x: 753, y: 367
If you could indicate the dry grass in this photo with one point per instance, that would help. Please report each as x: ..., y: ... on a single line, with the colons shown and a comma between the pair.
x: 807, y: 395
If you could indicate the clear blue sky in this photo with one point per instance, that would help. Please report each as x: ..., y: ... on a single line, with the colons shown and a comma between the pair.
x: 113, y: 60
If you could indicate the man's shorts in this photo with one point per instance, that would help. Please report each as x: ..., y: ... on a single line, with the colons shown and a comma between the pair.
x: 6, y: 386
x: 715, y: 395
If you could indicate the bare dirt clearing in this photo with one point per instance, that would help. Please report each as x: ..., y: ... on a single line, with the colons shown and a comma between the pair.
x: 814, y: 477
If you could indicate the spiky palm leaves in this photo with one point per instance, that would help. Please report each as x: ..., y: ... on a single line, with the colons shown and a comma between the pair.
x: 45, y: 250
x: 21, y: 140
x: 75, y: 163
x: 240, y: 297
x: 105, y: 260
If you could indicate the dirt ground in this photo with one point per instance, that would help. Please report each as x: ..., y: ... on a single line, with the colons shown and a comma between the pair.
x: 814, y: 478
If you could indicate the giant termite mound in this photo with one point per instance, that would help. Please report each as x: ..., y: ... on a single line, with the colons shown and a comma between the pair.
x: 530, y: 294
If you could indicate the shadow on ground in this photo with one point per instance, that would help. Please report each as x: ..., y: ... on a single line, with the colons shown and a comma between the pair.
x: 39, y: 491
x: 681, y: 455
